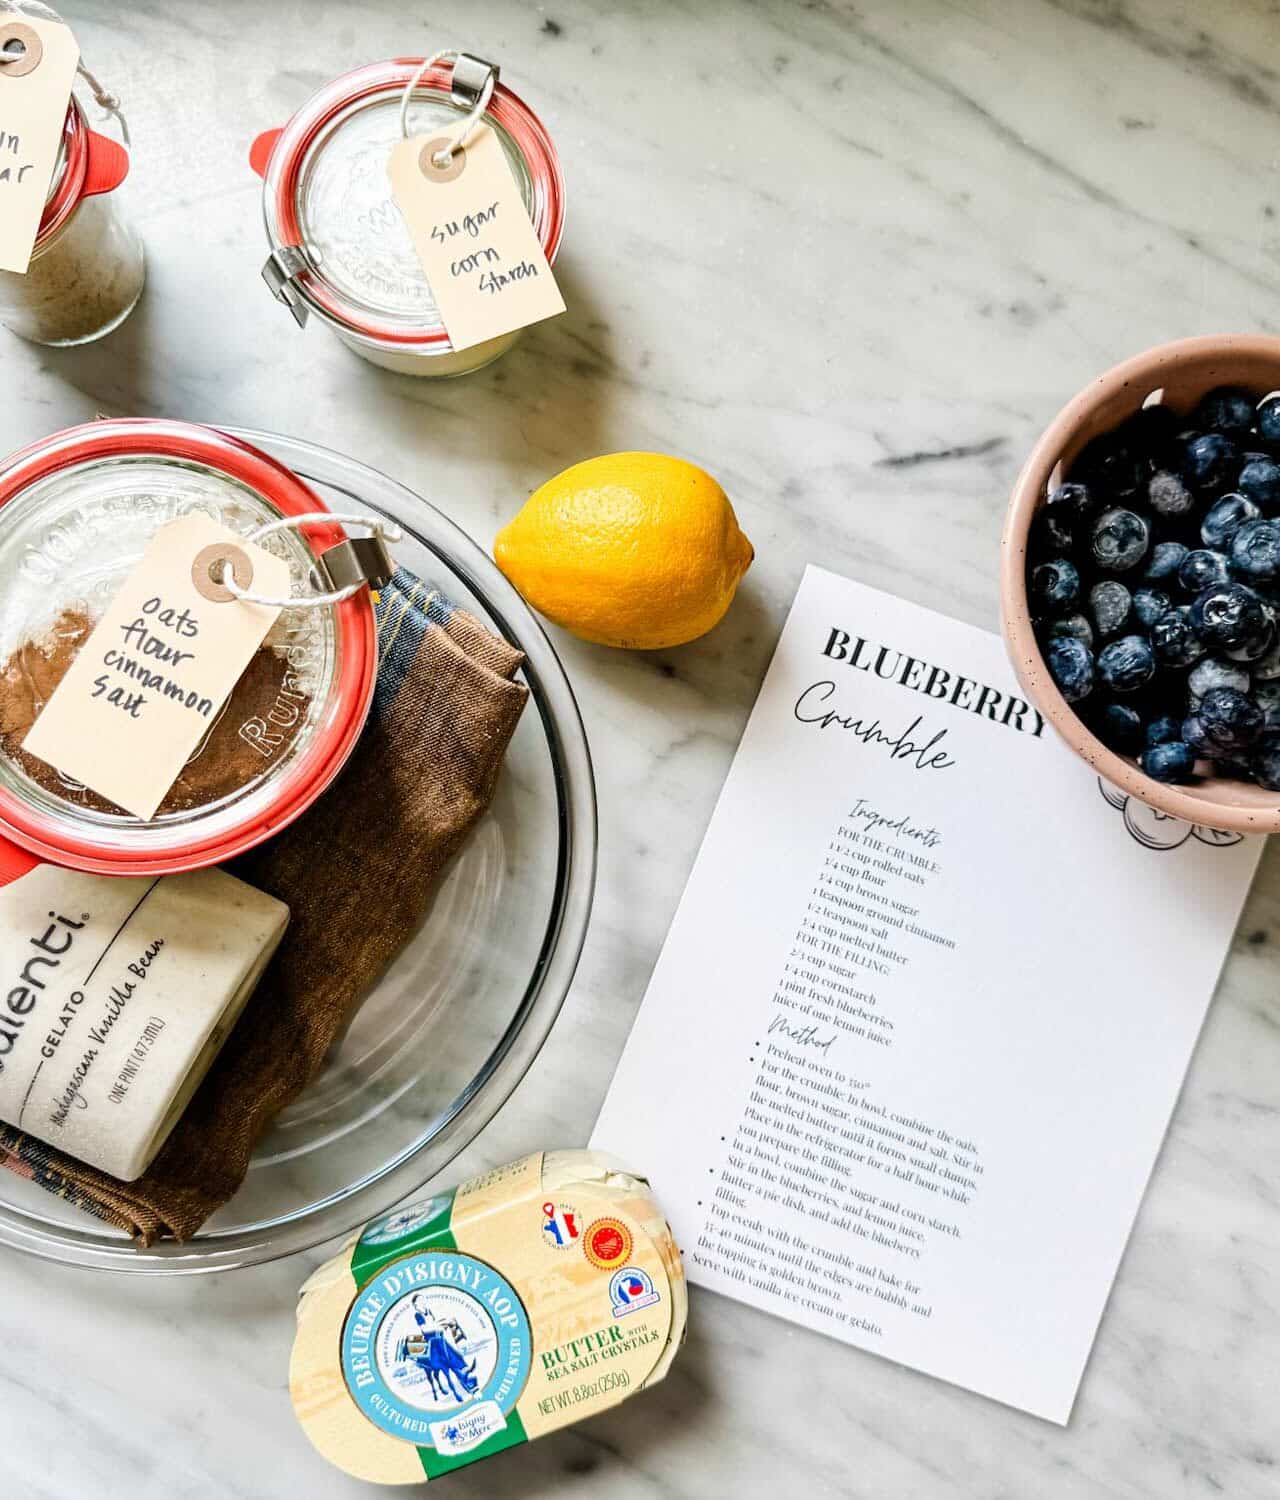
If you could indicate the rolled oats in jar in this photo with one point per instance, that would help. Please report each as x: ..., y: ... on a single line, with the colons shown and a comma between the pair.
x: 87, y: 269
x: 340, y: 247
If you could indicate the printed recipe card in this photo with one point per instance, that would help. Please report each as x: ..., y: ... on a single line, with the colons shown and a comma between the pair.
x: 925, y: 1008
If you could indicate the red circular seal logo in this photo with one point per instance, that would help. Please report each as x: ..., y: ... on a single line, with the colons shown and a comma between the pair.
x: 607, y: 1243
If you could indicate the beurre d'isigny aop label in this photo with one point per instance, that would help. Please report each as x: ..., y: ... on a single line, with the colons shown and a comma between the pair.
x: 474, y: 238
x: 925, y: 1007
x: 35, y: 88
x: 156, y: 670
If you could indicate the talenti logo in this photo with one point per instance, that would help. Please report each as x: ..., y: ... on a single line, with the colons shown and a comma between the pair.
x: 48, y: 951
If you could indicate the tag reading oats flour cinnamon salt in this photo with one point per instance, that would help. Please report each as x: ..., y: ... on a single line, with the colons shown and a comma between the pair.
x: 474, y: 238
x: 153, y: 675
x: 35, y: 89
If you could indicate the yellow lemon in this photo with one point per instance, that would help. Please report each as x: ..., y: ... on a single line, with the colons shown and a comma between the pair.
x: 632, y: 549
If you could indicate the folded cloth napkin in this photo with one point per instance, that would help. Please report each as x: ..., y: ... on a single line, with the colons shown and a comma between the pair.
x: 444, y: 710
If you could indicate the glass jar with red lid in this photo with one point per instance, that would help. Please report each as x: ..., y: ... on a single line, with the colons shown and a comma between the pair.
x: 339, y: 246
x: 87, y: 269
x: 76, y: 513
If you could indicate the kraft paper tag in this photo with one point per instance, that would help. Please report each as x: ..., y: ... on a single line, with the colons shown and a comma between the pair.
x: 151, y: 679
x: 34, y: 94
x: 473, y: 235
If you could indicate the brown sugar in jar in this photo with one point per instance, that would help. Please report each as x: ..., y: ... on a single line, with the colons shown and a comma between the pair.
x: 257, y: 724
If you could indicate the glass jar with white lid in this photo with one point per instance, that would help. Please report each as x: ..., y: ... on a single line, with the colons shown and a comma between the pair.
x: 339, y: 244
x: 87, y: 268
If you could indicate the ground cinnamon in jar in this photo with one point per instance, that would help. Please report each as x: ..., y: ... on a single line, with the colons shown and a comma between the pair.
x: 257, y: 726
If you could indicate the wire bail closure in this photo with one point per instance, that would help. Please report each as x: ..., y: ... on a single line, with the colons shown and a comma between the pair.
x: 346, y: 568
x: 471, y: 87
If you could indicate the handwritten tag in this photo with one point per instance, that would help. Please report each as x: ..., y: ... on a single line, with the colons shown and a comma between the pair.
x: 156, y: 670
x: 473, y: 235
x: 34, y: 93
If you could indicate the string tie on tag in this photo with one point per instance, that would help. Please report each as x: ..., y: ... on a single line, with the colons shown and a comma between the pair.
x: 16, y: 51
x: 474, y: 116
x: 388, y: 531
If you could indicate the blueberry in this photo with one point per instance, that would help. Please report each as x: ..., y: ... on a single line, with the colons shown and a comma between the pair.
x: 1268, y: 417
x: 1259, y: 481
x: 1163, y: 562
x: 1230, y: 720
x: 1070, y: 664
x: 1174, y: 640
x: 1174, y: 761
x: 1167, y: 495
x: 1110, y: 602
x: 1226, y: 408
x: 1070, y: 503
x: 1055, y: 586
x: 1266, y: 668
x: 1119, y: 539
x: 1265, y: 760
x: 1267, y: 696
x: 1236, y: 766
x: 1255, y: 551
x: 1125, y: 665
x: 1202, y: 568
x: 1148, y: 606
x: 1210, y: 462
x: 1109, y: 466
x: 1212, y: 673
x: 1257, y: 647
x: 1164, y: 730
x: 1225, y: 518
x: 1228, y: 615
x: 1073, y: 625
x: 1050, y: 536
x: 1151, y: 429
x: 1193, y: 734
x: 1119, y: 728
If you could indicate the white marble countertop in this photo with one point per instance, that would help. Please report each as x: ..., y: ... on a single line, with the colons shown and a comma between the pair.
x: 851, y: 258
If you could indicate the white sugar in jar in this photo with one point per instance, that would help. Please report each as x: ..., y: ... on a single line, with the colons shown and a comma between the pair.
x: 87, y: 269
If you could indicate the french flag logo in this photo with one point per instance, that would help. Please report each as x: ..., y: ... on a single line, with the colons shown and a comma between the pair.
x: 559, y: 1225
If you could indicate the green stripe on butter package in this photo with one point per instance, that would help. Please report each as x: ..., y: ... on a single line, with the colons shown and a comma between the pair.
x: 525, y: 1300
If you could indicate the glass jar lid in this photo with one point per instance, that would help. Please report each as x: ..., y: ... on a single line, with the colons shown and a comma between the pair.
x: 76, y: 513
x: 326, y: 191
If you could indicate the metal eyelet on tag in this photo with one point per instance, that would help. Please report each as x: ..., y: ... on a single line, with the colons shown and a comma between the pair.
x: 282, y: 269
x: 446, y: 171
x: 205, y: 569
x: 19, y: 64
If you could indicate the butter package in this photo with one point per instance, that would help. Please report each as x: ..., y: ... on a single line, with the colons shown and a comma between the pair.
x: 525, y: 1300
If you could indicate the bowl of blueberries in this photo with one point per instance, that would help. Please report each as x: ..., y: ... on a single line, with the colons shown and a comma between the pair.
x: 1141, y: 579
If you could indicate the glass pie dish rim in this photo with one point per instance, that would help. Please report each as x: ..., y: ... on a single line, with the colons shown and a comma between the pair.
x: 458, y: 1123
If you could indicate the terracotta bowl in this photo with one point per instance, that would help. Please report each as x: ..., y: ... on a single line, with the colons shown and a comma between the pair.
x: 1182, y: 372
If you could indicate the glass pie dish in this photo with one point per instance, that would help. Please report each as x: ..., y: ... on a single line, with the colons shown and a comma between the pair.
x: 452, y: 1027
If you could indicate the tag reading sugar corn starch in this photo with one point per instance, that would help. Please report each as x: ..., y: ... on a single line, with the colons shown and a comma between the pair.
x: 473, y: 236
x: 154, y: 673
x: 37, y: 69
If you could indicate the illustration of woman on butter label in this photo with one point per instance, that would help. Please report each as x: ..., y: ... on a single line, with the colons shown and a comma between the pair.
x: 444, y: 1362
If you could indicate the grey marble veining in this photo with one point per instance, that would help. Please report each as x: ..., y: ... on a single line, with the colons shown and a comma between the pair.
x: 852, y: 258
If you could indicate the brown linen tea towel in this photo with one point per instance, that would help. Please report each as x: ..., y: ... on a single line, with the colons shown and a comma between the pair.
x: 424, y: 771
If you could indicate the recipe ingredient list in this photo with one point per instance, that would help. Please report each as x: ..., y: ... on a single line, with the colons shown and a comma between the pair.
x: 925, y: 1009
